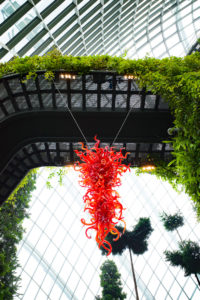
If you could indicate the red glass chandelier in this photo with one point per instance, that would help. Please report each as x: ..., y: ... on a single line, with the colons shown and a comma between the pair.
x: 100, y: 173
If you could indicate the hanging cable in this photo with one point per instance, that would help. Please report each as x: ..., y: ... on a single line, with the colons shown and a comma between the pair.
x: 125, y: 119
x: 127, y: 115
x: 75, y: 121
x: 69, y: 110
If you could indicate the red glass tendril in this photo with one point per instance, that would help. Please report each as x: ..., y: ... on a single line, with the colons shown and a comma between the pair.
x: 100, y: 174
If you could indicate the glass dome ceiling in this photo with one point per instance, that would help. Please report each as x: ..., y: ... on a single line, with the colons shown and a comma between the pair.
x: 59, y: 262
x: 88, y: 27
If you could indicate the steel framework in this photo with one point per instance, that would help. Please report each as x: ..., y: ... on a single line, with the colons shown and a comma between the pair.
x: 86, y: 27
x: 38, y: 130
x: 35, y: 125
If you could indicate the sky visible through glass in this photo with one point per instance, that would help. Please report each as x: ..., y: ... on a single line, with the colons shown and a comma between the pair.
x: 156, y: 28
x: 59, y: 262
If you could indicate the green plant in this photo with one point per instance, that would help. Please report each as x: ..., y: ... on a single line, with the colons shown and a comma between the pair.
x: 12, y: 214
x: 187, y: 257
x: 110, y: 282
x: 56, y: 172
x: 22, y: 183
x: 137, y: 238
x: 182, y: 172
x: 164, y: 170
x: 172, y: 222
x: 135, y: 241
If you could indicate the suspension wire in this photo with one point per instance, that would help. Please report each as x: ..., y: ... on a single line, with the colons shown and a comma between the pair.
x: 123, y: 123
x: 79, y: 128
x: 127, y: 115
x: 69, y: 110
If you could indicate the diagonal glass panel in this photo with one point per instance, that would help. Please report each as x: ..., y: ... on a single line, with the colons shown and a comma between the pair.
x: 139, y: 28
x: 18, y: 26
x: 7, y: 8
x: 58, y: 261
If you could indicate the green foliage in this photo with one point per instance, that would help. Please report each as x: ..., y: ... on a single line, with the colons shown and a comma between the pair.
x: 110, y: 282
x: 148, y: 70
x: 49, y: 75
x: 12, y: 213
x: 136, y: 239
x: 176, y: 79
x: 118, y: 246
x: 164, y: 170
x: 58, y: 173
x: 187, y: 257
x: 183, y: 172
x: 23, y: 182
x: 172, y: 222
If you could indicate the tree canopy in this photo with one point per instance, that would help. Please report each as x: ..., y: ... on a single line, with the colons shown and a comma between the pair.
x: 172, y: 222
x: 187, y: 257
x: 136, y: 240
x: 111, y: 282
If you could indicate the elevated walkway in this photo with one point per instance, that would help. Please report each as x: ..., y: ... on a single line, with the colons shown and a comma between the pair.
x: 36, y: 128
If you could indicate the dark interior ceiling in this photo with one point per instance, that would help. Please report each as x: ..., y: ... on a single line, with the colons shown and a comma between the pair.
x: 38, y: 130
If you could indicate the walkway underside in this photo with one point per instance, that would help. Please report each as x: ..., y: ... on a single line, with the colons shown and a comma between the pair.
x: 49, y: 138
x: 36, y: 128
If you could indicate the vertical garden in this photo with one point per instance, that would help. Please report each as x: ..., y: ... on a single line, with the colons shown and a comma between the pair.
x: 12, y: 213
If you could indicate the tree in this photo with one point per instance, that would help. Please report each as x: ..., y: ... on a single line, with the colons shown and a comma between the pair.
x: 188, y: 255
x: 110, y: 282
x: 172, y: 222
x: 12, y: 213
x: 135, y: 241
